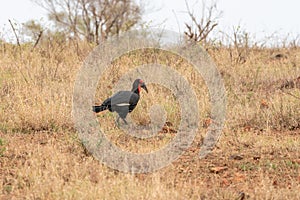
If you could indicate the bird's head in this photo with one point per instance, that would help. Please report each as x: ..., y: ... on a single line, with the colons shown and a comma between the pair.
x: 137, y: 85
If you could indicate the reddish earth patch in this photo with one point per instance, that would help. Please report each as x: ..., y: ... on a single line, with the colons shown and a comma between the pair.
x: 234, y: 166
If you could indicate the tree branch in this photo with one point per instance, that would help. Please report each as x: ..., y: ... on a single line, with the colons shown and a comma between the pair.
x: 15, y: 33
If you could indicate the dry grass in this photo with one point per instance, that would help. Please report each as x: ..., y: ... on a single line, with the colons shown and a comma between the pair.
x: 41, y: 157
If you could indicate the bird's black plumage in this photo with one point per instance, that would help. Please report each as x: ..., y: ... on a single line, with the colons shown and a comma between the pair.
x: 123, y: 102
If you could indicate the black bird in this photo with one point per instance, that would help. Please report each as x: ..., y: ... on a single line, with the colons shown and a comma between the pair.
x: 123, y: 102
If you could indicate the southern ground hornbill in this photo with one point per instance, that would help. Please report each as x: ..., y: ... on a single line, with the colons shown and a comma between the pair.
x: 123, y: 102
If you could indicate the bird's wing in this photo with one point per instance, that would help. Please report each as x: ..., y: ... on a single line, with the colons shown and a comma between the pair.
x: 125, y: 98
x: 122, y: 97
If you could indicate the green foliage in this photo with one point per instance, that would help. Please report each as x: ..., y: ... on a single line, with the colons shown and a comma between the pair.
x: 2, y: 147
x: 247, y: 166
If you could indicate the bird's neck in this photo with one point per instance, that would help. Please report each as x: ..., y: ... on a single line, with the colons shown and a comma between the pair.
x: 136, y: 90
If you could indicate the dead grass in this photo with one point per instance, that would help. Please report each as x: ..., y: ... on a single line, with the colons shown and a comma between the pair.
x: 55, y: 166
x: 41, y: 157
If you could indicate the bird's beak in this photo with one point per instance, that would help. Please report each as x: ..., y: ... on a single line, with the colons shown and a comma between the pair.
x: 144, y: 87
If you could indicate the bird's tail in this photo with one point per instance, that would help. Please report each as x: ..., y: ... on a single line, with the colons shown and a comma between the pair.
x: 97, y: 109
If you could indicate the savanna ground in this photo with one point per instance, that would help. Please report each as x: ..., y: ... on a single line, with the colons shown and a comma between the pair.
x: 257, y: 156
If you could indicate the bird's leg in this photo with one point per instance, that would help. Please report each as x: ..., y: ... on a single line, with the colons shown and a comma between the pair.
x: 118, y: 121
x: 125, y: 121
